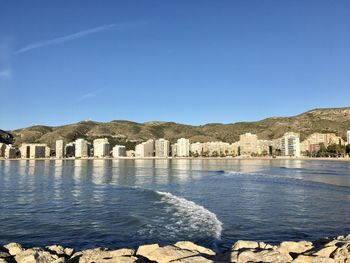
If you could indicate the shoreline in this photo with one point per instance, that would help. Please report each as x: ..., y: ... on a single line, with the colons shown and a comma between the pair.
x: 344, y: 159
x: 328, y: 250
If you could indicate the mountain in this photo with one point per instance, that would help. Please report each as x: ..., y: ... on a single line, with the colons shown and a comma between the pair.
x: 336, y: 120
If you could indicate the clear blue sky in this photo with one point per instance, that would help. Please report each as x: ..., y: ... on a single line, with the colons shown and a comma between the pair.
x: 188, y: 61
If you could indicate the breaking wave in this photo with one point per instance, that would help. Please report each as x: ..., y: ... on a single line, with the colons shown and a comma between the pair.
x: 180, y: 218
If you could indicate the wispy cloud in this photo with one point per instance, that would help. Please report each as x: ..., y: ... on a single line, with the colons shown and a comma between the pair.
x: 5, y: 73
x: 89, y: 95
x: 67, y: 38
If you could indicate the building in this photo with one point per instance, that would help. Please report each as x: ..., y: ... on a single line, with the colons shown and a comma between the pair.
x: 196, y: 149
x: 162, y: 148
x: 348, y: 137
x: 101, y: 147
x: 248, y: 144
x: 313, y: 141
x: 34, y: 150
x: 10, y: 152
x: 264, y: 147
x: 119, y: 151
x: 145, y: 149
x: 82, y: 148
x: 60, y: 149
x: 69, y: 149
x: 2, y: 150
x: 290, y: 144
x: 183, y: 147
x: 174, y: 150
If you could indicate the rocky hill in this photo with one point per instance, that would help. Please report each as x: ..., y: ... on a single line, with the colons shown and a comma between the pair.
x: 336, y: 120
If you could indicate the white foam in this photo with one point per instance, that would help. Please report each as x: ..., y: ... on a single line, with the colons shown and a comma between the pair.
x: 196, y: 217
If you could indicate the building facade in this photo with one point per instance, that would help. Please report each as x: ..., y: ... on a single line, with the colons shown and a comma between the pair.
x: 145, y: 149
x: 162, y: 148
x: 119, y: 151
x: 248, y: 144
x: 10, y: 152
x: 290, y: 144
x: 196, y: 149
x: 101, y: 148
x: 348, y: 137
x: 60, y: 149
x: 34, y: 150
x: 82, y: 148
x: 183, y: 147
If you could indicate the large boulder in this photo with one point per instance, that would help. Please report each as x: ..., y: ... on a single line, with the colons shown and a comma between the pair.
x: 194, y: 248
x: 273, y: 256
x: 164, y: 254
x: 14, y: 248
x: 246, y: 244
x: 37, y: 255
x: 295, y: 247
x: 103, y: 255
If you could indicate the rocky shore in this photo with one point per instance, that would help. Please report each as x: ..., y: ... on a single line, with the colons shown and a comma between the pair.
x: 327, y: 250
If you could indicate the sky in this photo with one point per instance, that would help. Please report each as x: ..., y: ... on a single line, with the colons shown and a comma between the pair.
x: 187, y: 61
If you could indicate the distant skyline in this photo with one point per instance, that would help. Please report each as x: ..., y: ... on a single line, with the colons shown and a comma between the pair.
x: 187, y: 61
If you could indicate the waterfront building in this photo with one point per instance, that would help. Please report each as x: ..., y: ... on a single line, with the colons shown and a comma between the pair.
x: 234, y: 148
x: 248, y: 144
x: 82, y: 148
x: 348, y: 137
x: 119, y: 151
x: 10, y: 152
x: 34, y: 150
x: 263, y: 147
x: 145, y: 149
x: 59, y: 149
x: 162, y: 148
x: 290, y: 144
x: 183, y: 147
x: 196, y: 149
x: 69, y: 149
x: 2, y: 150
x: 174, y: 150
x: 313, y: 141
x: 101, y: 147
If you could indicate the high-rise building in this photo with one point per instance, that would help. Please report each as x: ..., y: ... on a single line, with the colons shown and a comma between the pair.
x: 290, y: 144
x: 10, y: 152
x: 348, y: 137
x: 313, y: 141
x: 2, y: 150
x: 82, y: 148
x: 101, y: 147
x: 59, y: 149
x: 119, y: 151
x: 183, y: 147
x: 162, y: 147
x: 196, y: 149
x: 145, y: 149
x: 248, y: 144
x: 34, y: 150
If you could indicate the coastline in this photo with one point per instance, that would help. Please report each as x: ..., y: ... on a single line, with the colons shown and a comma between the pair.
x: 345, y: 159
x: 328, y: 250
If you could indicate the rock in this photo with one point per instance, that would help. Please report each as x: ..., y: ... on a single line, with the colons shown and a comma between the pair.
x: 263, y: 256
x: 14, y: 248
x: 56, y: 249
x: 37, y: 255
x: 312, y: 259
x: 102, y: 255
x: 195, y: 248
x: 3, y: 260
x: 326, y: 251
x: 164, y: 254
x: 118, y: 260
x: 342, y: 254
x: 295, y: 247
x: 245, y: 244
x: 4, y: 254
x: 69, y: 251
x: 194, y: 259
x: 146, y: 249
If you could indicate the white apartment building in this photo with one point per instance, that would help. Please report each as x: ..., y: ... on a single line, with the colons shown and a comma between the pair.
x: 119, y: 151
x: 248, y: 144
x: 82, y: 148
x: 196, y: 149
x: 348, y: 137
x: 10, y: 152
x: 183, y: 147
x: 101, y: 147
x: 2, y: 150
x: 162, y: 147
x: 34, y: 150
x: 145, y: 149
x: 59, y: 149
x: 290, y: 144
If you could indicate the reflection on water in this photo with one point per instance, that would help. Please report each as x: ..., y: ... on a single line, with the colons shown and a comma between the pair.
x: 123, y: 203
